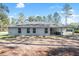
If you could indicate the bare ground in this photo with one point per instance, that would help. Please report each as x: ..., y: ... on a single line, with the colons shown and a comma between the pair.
x: 39, y: 46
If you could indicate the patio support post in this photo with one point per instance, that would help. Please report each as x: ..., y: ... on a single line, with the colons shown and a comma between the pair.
x: 61, y: 31
x: 73, y: 33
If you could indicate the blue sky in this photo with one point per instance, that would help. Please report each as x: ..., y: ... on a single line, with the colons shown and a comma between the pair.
x: 33, y: 9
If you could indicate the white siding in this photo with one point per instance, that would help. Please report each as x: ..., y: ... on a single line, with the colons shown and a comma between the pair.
x: 39, y: 31
x: 66, y: 32
x: 13, y: 31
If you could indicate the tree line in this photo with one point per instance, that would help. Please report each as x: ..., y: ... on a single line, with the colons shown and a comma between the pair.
x: 55, y: 18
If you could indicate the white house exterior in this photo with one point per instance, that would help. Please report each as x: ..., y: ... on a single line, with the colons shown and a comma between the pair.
x: 38, y: 29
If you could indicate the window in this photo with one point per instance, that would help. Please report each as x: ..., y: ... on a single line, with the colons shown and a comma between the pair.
x: 46, y: 30
x: 34, y: 30
x: 19, y: 30
x: 69, y: 30
x: 28, y: 30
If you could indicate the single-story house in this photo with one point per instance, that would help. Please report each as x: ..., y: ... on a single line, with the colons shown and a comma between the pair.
x: 39, y: 29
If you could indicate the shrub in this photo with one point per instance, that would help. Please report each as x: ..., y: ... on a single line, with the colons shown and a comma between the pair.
x: 76, y: 31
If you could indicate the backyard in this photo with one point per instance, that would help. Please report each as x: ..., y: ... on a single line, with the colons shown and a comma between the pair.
x: 38, y: 45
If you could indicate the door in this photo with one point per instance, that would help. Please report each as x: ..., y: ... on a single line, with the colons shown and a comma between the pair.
x: 51, y: 31
x: 54, y: 31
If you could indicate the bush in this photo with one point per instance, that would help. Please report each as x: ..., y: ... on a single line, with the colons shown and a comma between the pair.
x: 76, y: 31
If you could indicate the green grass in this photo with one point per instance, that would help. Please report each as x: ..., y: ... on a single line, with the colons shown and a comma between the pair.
x: 6, y: 36
x: 3, y: 38
x: 3, y: 33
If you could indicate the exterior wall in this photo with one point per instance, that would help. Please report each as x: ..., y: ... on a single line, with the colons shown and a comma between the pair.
x: 39, y: 31
x: 66, y: 32
x: 13, y: 31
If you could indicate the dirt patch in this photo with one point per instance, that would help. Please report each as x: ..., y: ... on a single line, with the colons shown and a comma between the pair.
x: 35, y: 48
x: 64, y: 52
x: 24, y: 50
x: 31, y: 50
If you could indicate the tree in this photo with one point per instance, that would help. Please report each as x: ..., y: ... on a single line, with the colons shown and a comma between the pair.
x: 21, y: 18
x: 3, y: 8
x: 38, y: 18
x: 56, y: 18
x: 67, y: 11
x: 74, y: 25
x: 4, y: 20
x: 13, y: 21
x: 31, y: 18
x: 44, y: 18
x: 5, y: 24
x: 2, y: 16
x: 50, y: 18
x: 35, y: 18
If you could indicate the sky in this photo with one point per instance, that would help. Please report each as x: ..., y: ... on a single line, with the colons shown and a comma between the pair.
x: 43, y: 9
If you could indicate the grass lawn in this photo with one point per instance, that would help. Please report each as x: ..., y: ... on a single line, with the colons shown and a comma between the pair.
x: 6, y: 36
x: 3, y: 33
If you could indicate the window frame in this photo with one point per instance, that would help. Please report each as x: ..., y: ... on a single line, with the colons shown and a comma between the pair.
x: 69, y: 30
x: 28, y: 30
x: 34, y: 30
x: 19, y: 30
x: 46, y: 30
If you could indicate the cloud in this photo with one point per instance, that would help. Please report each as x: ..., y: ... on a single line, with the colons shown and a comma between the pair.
x: 19, y: 5
x: 61, y: 12
x: 72, y: 10
x: 75, y: 15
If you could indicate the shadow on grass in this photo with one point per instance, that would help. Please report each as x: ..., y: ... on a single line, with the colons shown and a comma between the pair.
x: 64, y: 52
